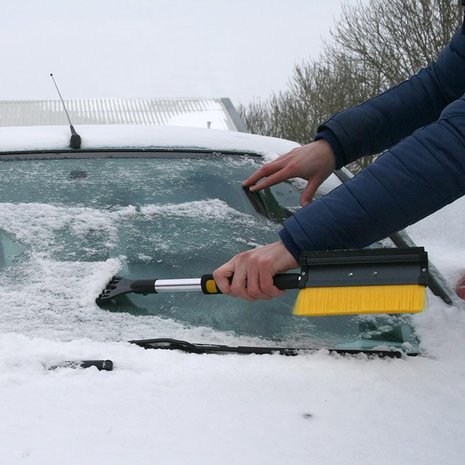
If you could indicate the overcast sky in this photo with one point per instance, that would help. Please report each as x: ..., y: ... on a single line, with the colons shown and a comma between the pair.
x: 158, y: 48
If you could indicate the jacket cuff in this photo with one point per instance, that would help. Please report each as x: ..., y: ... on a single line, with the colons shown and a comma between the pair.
x: 329, y: 136
x: 289, y: 243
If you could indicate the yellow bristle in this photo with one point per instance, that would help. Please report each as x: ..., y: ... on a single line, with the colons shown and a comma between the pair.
x: 352, y: 300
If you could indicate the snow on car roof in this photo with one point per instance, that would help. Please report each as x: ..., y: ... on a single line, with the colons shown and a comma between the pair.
x: 148, y: 137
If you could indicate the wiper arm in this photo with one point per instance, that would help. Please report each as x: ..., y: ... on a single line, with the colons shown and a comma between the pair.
x: 196, y: 348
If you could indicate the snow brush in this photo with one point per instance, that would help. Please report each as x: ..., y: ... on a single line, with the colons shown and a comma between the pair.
x: 339, y: 282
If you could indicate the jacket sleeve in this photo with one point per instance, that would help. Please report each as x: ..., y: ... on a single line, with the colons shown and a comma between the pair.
x: 416, y: 177
x: 382, y: 121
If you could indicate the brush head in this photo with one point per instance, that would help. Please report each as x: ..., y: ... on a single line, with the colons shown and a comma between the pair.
x: 354, y: 300
x: 346, y: 282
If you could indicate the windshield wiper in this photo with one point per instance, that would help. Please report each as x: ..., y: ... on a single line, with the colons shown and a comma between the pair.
x: 196, y: 348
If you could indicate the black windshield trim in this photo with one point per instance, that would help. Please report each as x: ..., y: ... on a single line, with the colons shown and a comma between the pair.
x: 123, y: 153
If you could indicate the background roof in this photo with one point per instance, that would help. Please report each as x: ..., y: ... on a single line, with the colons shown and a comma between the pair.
x: 217, y: 113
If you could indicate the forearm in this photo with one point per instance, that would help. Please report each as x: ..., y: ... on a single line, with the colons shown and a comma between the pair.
x: 416, y: 177
x: 382, y: 121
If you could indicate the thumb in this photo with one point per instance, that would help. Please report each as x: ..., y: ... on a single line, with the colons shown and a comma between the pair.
x: 222, y: 277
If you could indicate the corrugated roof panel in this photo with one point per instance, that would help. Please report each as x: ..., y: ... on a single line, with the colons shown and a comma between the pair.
x: 182, y: 111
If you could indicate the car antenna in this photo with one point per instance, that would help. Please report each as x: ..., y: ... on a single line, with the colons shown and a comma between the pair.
x: 75, y: 140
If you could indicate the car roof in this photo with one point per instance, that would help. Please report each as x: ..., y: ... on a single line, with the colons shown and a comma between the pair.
x: 53, y: 138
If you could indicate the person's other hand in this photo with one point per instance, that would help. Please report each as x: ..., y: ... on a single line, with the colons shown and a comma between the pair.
x: 252, y: 272
x: 313, y: 162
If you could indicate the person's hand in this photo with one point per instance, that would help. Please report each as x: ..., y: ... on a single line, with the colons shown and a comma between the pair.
x: 252, y: 272
x: 313, y: 162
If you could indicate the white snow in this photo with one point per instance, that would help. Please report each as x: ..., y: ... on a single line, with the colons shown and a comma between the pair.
x: 160, y: 407
x: 172, y: 407
x: 121, y: 136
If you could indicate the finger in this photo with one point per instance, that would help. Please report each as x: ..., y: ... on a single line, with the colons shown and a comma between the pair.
x: 264, y: 171
x: 267, y: 285
x: 260, y: 283
x: 254, y: 290
x: 239, y: 284
x: 222, y: 277
x: 255, y: 177
x: 275, y: 178
x: 308, y: 193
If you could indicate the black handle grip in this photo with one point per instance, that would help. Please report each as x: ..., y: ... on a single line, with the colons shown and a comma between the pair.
x: 282, y: 281
x: 143, y: 286
x: 285, y: 281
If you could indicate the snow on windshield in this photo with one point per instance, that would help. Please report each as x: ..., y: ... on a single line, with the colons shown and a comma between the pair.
x: 69, y: 225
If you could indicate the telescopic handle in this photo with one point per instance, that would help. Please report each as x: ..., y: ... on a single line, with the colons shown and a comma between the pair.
x: 282, y: 281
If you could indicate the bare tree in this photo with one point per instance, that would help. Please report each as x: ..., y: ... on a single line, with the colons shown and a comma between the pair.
x: 374, y: 45
x: 316, y: 90
x: 395, y: 38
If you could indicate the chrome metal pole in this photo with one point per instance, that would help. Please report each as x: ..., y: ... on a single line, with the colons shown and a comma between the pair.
x: 178, y: 285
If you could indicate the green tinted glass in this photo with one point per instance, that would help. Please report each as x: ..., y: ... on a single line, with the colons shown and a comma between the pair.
x: 68, y: 224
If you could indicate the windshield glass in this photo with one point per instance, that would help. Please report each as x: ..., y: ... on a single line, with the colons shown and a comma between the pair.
x: 68, y: 225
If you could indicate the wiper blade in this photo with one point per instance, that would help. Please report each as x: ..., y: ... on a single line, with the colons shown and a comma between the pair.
x: 196, y: 348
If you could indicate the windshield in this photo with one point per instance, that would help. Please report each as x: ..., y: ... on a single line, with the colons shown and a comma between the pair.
x: 69, y: 224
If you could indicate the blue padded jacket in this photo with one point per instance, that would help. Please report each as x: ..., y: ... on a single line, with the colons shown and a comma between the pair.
x: 421, y: 123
